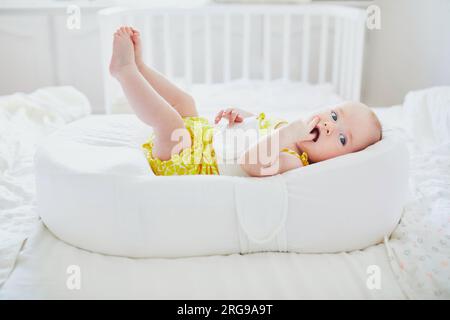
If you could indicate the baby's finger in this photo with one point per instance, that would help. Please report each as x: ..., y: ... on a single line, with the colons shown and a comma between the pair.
x: 239, y: 118
x: 313, y: 123
x: 308, y: 137
x: 233, y: 116
x: 227, y: 114
x: 218, y: 116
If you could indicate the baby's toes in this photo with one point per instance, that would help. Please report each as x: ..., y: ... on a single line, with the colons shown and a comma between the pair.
x: 119, y: 32
x: 136, y: 39
x: 124, y: 31
x: 129, y: 31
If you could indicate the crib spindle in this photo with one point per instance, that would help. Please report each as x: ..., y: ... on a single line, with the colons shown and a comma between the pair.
x: 208, y: 73
x: 286, y: 46
x: 336, y: 51
x: 323, y: 49
x: 344, y: 60
x: 187, y: 48
x: 128, y: 20
x: 108, y: 28
x: 350, y: 61
x: 246, y: 47
x: 167, y: 49
x: 147, y: 43
x: 359, y: 52
x: 266, y: 51
x: 227, y: 50
x: 305, y: 46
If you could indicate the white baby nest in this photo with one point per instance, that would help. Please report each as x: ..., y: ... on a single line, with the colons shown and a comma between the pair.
x: 95, y: 190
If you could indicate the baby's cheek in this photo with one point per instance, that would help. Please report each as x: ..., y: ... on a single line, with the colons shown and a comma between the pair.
x: 321, y: 150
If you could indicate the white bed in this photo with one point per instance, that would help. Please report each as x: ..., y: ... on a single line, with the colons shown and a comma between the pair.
x: 40, y: 266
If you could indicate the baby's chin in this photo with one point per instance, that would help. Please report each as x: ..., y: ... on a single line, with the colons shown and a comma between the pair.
x: 314, y: 151
x: 308, y: 147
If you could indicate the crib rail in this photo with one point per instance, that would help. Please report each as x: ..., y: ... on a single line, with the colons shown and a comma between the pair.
x: 314, y: 44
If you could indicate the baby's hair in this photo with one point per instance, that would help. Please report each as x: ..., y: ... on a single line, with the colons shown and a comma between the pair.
x: 375, y: 121
x: 377, y: 124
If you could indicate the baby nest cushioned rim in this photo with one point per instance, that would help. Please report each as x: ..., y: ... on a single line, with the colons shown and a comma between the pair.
x: 96, y: 191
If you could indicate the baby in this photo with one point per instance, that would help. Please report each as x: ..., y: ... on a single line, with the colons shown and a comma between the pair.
x: 182, y: 141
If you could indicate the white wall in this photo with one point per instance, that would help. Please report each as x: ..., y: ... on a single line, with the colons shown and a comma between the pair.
x: 410, y: 52
x: 37, y: 49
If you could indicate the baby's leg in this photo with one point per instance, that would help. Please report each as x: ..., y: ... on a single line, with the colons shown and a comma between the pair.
x: 182, y: 101
x: 146, y: 102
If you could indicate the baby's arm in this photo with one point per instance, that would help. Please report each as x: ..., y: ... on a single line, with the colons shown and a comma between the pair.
x: 265, y: 159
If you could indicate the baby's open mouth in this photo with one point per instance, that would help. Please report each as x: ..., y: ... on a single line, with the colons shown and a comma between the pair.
x: 316, y: 132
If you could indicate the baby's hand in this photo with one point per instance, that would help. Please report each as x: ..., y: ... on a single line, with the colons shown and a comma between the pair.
x: 302, y: 131
x: 232, y: 114
x: 310, y: 135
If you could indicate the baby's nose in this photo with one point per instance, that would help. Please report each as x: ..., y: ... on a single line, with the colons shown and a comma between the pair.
x: 328, y: 127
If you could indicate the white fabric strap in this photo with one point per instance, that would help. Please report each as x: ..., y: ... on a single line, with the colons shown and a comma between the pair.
x: 261, y: 208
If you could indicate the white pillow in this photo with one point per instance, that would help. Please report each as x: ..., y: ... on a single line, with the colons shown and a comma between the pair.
x: 95, y: 190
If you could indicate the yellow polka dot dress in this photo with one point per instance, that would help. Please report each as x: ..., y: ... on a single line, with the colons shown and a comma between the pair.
x: 200, y: 158
x: 197, y: 159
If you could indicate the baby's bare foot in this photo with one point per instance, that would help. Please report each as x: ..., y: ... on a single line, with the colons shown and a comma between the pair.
x: 123, y: 52
x: 136, y: 37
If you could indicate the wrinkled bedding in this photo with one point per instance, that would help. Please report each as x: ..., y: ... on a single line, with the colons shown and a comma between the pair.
x: 414, y: 263
x: 25, y: 119
x: 420, y: 247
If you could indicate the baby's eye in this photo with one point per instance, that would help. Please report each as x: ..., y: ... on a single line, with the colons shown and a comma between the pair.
x: 334, y: 115
x: 342, y: 139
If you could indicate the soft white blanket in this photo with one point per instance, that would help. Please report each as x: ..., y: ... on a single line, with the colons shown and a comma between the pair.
x: 420, y: 246
x: 24, y: 120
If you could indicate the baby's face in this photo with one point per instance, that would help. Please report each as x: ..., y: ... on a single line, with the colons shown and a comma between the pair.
x: 342, y: 129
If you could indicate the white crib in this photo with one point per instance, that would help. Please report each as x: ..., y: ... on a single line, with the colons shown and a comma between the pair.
x: 315, y: 44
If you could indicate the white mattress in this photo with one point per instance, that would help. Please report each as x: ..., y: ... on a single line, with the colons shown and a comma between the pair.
x: 41, y: 268
x: 41, y: 273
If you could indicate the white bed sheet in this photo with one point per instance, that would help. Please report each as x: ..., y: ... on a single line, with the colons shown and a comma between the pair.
x: 41, y: 273
x: 25, y: 119
x: 41, y: 268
